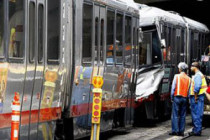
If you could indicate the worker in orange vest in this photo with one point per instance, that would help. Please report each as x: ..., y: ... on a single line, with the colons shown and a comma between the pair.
x: 179, y: 93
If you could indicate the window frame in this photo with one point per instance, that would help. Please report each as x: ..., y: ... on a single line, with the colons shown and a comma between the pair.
x: 9, y: 58
x: 164, y: 35
x: 122, y: 56
x: 182, y: 46
x: 127, y: 15
x: 196, y: 45
x: 134, y: 41
x: 169, y: 43
x: 174, y: 48
x: 32, y: 33
x: 159, y: 49
x: 2, y: 57
x: 54, y: 61
x: 114, y: 36
x: 149, y: 30
x: 140, y: 50
x: 91, y: 35
x: 40, y: 61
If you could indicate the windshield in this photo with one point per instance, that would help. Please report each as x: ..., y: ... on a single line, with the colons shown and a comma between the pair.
x: 150, y: 52
x: 1, y: 26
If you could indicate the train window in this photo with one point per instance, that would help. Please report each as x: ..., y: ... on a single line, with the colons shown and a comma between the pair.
x: 128, y: 30
x: 178, y: 44
x: 102, y: 41
x: 203, y: 47
x: 119, y: 36
x: 16, y: 27
x: 40, y: 32
x: 165, y: 36
x: 182, y: 45
x: 1, y: 28
x: 169, y: 45
x: 156, y: 52
x: 145, y: 50
x: 195, y: 42
x: 134, y: 36
x: 201, y: 42
x: 128, y: 47
x: 192, y: 46
x: 137, y: 45
x: 96, y: 38
x: 134, y: 43
x: 204, y: 44
x: 173, y: 47
x: 31, y: 31
x: 87, y: 33
x: 199, y: 47
x: 53, y: 30
x: 110, y: 37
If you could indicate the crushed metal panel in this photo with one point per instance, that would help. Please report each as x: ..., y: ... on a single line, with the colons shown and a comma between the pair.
x: 148, y: 82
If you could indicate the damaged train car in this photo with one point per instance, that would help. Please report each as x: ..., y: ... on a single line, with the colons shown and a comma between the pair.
x: 167, y: 39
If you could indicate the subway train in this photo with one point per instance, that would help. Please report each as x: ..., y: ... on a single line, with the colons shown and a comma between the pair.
x: 168, y: 38
x: 50, y: 50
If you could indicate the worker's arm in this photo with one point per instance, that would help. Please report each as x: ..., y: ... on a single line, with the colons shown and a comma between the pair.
x: 198, y: 83
x: 173, y: 88
x: 189, y: 91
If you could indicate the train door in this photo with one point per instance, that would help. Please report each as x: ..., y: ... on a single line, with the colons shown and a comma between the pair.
x: 110, y: 74
x: 98, y: 48
x: 182, y: 46
x: 130, y: 66
x: 84, y: 27
x: 50, y: 67
x: 99, y: 38
x: 178, y: 44
x: 12, y: 59
x: 30, y: 70
x: 40, y: 30
x: 129, y: 58
x: 178, y: 48
x: 135, y: 66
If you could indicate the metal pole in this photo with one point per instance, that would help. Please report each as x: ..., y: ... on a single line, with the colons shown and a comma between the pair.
x: 95, y: 132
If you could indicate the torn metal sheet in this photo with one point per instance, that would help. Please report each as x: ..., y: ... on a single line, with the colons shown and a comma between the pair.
x: 148, y: 81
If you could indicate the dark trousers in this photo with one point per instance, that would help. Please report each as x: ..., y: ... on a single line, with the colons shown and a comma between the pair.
x: 178, y: 114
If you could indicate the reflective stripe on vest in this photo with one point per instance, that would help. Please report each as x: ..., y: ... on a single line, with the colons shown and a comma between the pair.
x: 203, y: 85
x: 178, y: 85
x: 192, y: 86
x: 182, y: 86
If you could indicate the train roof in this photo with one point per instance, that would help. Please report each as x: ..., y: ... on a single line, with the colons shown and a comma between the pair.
x: 128, y: 5
x: 196, y: 25
x: 148, y: 16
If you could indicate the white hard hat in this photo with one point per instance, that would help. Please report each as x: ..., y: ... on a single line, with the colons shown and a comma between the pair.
x: 182, y: 66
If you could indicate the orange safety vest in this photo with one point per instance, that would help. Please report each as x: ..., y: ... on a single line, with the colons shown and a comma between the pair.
x: 182, y: 85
